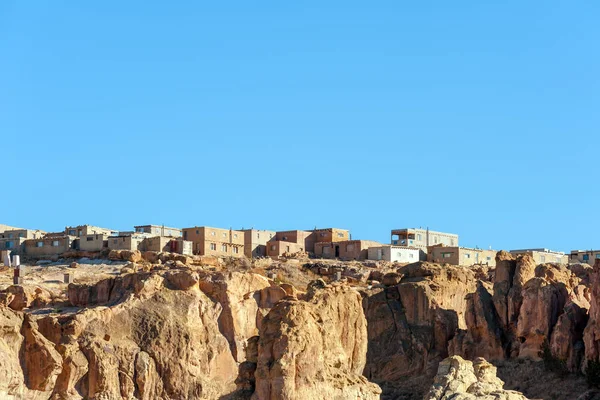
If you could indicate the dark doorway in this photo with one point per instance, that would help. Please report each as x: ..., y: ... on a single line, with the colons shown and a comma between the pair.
x: 337, y: 251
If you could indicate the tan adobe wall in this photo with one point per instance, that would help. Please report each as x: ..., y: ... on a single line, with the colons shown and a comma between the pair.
x: 48, y: 246
x: 454, y: 255
x: 215, y: 241
x: 255, y: 242
x: 277, y: 248
x: 584, y: 256
x: 331, y: 235
x: 95, y: 242
x: 125, y: 243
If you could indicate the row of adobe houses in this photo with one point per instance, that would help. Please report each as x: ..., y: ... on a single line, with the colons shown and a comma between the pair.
x: 406, y: 245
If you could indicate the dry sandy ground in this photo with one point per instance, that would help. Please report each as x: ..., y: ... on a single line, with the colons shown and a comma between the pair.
x: 51, y: 276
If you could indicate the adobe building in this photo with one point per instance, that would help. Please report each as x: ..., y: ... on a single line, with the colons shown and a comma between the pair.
x: 280, y: 248
x: 255, y: 242
x: 48, y: 246
x: 306, y: 240
x: 217, y: 242
x: 167, y: 244
x: 463, y: 256
x: 347, y: 250
x: 584, y: 256
x: 400, y: 254
x: 159, y: 230
x: 85, y: 230
x: 4, y: 228
x: 542, y: 256
x: 422, y: 238
x: 12, y: 240
x: 93, y: 242
x: 129, y: 242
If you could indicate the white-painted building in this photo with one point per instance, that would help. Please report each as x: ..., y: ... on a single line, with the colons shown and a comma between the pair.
x: 390, y: 253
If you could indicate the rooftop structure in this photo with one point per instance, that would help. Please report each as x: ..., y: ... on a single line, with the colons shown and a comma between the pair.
x: 422, y: 238
x: 159, y: 230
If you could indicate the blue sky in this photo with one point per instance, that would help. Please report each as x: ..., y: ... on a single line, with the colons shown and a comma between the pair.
x: 479, y: 119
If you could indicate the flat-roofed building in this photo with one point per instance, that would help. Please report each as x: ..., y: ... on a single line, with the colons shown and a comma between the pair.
x: 464, y: 256
x: 422, y: 238
x: 279, y: 248
x: 13, y: 240
x: 542, y: 256
x: 347, y: 250
x: 48, y: 246
x: 400, y: 254
x: 167, y: 244
x: 129, y: 242
x: 85, y: 230
x: 93, y: 242
x: 159, y: 230
x: 584, y: 256
x: 255, y: 242
x: 208, y: 241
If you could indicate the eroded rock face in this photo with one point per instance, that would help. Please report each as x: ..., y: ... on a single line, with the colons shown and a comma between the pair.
x: 314, y: 349
x: 543, y: 302
x: 459, y: 379
x: 11, y: 340
x: 410, y: 324
x: 484, y: 336
x: 592, y: 330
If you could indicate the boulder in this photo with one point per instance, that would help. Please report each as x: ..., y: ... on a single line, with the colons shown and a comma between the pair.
x: 459, y: 379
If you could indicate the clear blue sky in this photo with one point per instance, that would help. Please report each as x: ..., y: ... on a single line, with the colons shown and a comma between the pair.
x: 479, y: 119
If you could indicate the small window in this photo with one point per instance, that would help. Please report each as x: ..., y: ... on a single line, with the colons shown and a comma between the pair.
x: 213, y: 246
x: 467, y: 256
x: 8, y: 245
x: 258, y: 235
x: 21, y: 235
x: 235, y: 235
x: 446, y: 255
x: 55, y: 243
x: 411, y: 255
x: 419, y: 236
x: 284, y: 238
x: 287, y: 249
x: 235, y: 250
x: 322, y: 234
x: 89, y: 239
x: 489, y: 258
x: 224, y: 234
x: 543, y: 259
x: 224, y: 247
x: 597, y: 256
x: 586, y: 257
x: 72, y: 232
x: 10, y: 235
x: 340, y: 234
x: 212, y: 234
x: 39, y: 244
x: 273, y: 247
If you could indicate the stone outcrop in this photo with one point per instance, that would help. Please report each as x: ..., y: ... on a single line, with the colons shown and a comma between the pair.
x: 484, y: 336
x: 592, y: 330
x: 314, y: 349
x: 411, y: 323
x: 459, y: 379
